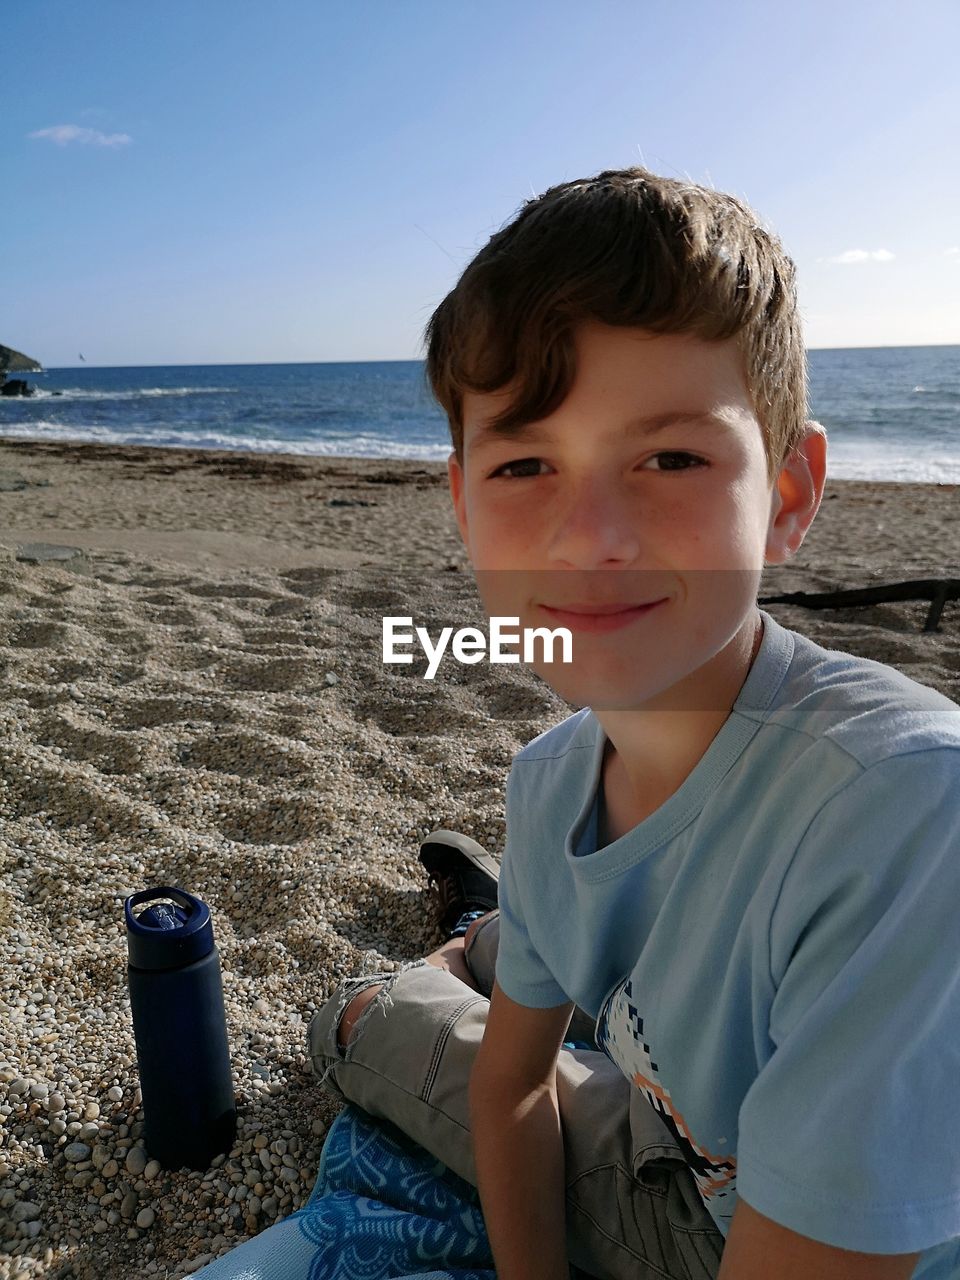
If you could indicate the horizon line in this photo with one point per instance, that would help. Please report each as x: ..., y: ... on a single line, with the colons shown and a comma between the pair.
x: 248, y: 364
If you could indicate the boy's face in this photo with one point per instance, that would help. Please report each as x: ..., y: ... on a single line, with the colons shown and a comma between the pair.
x: 588, y: 508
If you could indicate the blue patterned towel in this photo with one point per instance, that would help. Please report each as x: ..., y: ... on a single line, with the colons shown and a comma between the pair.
x: 382, y: 1209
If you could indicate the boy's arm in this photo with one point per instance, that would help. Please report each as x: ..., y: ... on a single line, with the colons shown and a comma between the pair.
x: 758, y: 1248
x: 517, y: 1139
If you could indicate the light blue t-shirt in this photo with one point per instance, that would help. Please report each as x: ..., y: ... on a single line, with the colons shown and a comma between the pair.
x: 773, y: 955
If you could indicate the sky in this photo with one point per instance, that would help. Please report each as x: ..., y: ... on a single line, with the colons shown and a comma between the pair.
x: 227, y: 182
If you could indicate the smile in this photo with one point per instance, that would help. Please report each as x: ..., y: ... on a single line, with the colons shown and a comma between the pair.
x: 598, y: 617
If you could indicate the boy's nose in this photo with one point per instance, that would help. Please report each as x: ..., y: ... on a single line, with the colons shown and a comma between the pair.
x: 596, y: 527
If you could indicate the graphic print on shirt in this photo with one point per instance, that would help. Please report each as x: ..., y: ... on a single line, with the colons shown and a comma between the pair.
x: 620, y: 1036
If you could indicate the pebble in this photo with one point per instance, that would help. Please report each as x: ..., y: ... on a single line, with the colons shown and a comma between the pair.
x: 166, y: 718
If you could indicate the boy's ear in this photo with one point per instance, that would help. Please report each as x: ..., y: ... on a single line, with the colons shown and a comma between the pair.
x: 796, y: 495
x: 458, y: 494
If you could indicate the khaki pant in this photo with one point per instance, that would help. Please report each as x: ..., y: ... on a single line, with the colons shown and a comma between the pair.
x: 633, y: 1210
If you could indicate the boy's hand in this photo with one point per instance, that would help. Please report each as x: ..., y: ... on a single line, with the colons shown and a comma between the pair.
x: 758, y: 1248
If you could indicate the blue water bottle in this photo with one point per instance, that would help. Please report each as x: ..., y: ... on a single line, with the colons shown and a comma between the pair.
x: 180, y: 1028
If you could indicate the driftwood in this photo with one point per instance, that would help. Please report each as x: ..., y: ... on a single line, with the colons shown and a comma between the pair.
x: 936, y: 590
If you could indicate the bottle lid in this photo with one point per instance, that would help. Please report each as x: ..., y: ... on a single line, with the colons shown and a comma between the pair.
x: 167, y: 936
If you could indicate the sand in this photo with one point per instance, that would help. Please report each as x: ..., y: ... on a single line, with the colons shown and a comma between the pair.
x: 197, y: 699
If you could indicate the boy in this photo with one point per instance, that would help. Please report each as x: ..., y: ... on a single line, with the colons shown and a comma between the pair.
x: 741, y: 859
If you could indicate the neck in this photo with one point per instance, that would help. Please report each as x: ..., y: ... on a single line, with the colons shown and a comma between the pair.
x: 656, y: 749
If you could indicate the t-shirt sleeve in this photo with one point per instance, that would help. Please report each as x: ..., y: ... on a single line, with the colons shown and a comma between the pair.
x: 850, y: 1133
x: 520, y: 971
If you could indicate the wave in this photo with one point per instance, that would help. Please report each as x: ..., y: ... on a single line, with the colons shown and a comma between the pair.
x: 357, y: 446
x: 948, y: 394
x: 82, y: 393
x: 895, y: 461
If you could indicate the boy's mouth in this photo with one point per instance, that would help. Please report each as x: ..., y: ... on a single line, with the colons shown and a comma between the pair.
x: 597, y: 617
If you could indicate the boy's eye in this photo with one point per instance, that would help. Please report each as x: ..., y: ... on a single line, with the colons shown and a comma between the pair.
x: 688, y: 457
x: 519, y: 469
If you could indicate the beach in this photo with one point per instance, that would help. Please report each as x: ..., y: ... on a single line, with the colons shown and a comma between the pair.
x: 195, y: 697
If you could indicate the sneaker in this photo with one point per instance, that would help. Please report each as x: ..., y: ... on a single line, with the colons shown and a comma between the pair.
x: 463, y: 876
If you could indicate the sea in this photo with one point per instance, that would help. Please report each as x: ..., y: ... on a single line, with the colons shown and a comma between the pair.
x: 891, y: 413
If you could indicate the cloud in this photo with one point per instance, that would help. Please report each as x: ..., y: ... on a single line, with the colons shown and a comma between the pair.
x: 62, y: 134
x: 953, y: 252
x: 860, y: 255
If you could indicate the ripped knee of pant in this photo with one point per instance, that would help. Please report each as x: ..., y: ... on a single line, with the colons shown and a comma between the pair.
x: 329, y: 1054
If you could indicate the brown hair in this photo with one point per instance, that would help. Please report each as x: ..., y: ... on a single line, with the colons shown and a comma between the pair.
x: 626, y: 247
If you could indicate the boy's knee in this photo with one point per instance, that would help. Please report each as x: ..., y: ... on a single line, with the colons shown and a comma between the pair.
x: 352, y: 1013
x: 474, y: 925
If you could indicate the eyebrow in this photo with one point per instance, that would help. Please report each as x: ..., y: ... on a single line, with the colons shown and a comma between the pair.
x: 649, y: 425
